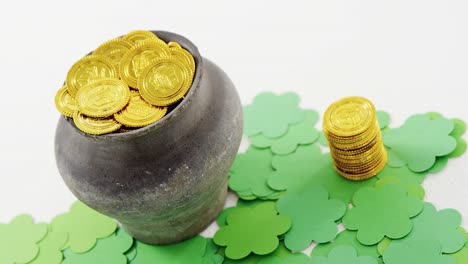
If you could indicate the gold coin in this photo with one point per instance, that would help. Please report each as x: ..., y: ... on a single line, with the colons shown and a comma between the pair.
x: 185, y: 56
x: 349, y: 116
x: 102, y: 98
x: 65, y: 103
x: 173, y: 44
x: 95, y: 126
x: 139, y: 113
x: 89, y: 69
x: 137, y: 36
x: 114, y: 49
x: 137, y: 59
x: 165, y: 82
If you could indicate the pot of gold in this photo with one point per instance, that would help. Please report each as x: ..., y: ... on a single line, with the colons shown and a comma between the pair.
x: 148, y: 133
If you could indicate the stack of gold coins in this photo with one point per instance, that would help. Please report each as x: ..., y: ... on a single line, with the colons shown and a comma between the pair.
x: 352, y: 130
x: 126, y: 83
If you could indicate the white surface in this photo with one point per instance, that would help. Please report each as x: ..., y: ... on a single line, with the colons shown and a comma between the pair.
x: 406, y: 56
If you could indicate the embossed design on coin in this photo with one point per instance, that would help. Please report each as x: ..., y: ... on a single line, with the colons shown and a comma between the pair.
x: 137, y: 36
x: 103, y: 98
x: 65, y: 102
x: 139, y: 113
x: 95, y: 126
x: 351, y: 115
x: 114, y: 49
x: 89, y: 69
x: 138, y: 58
x: 165, y: 82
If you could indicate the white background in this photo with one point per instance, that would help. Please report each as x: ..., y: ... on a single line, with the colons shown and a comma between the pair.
x: 406, y: 56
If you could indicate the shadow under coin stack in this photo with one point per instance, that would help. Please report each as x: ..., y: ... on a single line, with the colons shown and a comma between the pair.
x: 126, y: 83
x: 352, y: 130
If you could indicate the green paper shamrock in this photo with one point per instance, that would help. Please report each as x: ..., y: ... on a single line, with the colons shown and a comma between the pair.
x: 210, y: 256
x: 346, y: 238
x: 380, y: 212
x: 18, y: 239
x: 432, y: 225
x: 281, y: 254
x: 406, y: 175
x: 313, y: 216
x: 107, y: 250
x: 188, y: 251
x: 341, y: 255
x: 383, y: 119
x: 297, y: 258
x: 84, y: 226
x: 252, y: 230
x: 460, y: 257
x: 302, y: 133
x: 412, y: 189
x: 221, y: 219
x: 322, y: 140
x: 283, y: 109
x: 50, y: 248
x: 457, y: 133
x: 131, y: 253
x: 307, y: 166
x: 424, y: 252
x: 249, y: 173
x: 419, y: 141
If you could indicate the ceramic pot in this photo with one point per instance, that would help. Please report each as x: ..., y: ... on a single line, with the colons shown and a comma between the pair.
x: 167, y: 181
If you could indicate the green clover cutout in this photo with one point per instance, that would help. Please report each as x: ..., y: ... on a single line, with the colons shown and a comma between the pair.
x: 460, y: 257
x: 249, y: 173
x: 18, y: 239
x: 302, y: 133
x: 282, y: 108
x: 341, y: 255
x: 382, y: 117
x: 380, y: 212
x: 346, y: 238
x: 188, y: 251
x: 210, y: 256
x: 107, y: 250
x: 252, y: 230
x: 419, y: 141
x: 50, y: 248
x: 84, y: 226
x: 406, y: 175
x: 308, y: 166
x: 412, y: 189
x: 432, y: 225
x: 297, y: 258
x: 222, y: 217
x: 279, y: 255
x: 313, y: 216
x: 427, y: 252
x: 131, y: 253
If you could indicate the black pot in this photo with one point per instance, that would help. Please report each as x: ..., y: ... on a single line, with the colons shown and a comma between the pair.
x: 167, y: 181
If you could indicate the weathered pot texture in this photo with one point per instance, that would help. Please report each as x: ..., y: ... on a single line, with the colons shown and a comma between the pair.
x: 165, y: 182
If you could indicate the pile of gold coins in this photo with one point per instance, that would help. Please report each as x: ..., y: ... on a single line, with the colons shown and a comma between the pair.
x: 126, y: 83
x: 352, y: 130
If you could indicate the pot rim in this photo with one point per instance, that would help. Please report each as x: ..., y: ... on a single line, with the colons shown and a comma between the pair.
x: 186, y: 44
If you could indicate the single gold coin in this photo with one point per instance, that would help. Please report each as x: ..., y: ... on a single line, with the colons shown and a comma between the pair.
x: 137, y: 36
x: 165, y: 82
x: 65, y: 103
x: 90, y: 69
x: 102, y: 98
x: 184, y: 56
x: 95, y: 126
x: 114, y: 49
x: 173, y: 44
x: 349, y: 116
x: 139, y: 113
x: 138, y: 58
